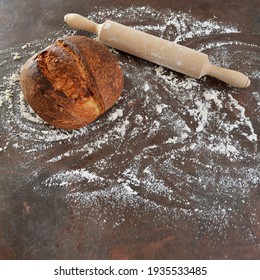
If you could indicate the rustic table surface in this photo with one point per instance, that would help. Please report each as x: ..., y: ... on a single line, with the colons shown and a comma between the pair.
x: 172, y: 171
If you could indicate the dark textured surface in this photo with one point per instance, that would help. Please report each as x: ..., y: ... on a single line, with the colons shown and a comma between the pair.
x: 152, y: 198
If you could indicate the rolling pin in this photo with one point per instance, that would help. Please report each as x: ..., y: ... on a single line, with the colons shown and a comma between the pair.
x: 157, y: 50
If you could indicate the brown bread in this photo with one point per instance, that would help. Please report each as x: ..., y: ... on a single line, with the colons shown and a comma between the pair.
x: 72, y: 82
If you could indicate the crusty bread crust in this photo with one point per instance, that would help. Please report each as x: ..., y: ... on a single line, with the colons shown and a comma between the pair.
x: 72, y: 82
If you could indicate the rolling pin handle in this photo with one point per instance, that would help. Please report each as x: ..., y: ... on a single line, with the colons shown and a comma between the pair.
x: 231, y: 77
x: 79, y: 22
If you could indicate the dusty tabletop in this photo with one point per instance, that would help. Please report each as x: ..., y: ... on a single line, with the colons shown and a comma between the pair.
x: 171, y: 171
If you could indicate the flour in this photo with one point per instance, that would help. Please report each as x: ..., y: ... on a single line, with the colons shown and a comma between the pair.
x: 146, y: 87
x: 16, y: 56
x: 113, y: 116
x: 159, y: 107
x: 158, y: 149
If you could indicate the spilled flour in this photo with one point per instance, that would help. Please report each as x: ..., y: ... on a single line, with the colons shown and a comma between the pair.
x: 172, y: 145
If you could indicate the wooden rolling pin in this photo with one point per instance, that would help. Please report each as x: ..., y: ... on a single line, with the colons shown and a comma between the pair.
x: 162, y: 52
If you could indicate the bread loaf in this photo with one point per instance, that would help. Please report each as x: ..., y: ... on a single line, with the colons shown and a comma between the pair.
x: 71, y: 82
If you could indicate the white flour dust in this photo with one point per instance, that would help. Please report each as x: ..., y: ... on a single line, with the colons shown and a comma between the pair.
x: 165, y: 128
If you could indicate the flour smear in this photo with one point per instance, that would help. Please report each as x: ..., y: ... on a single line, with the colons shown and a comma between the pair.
x: 171, y: 146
